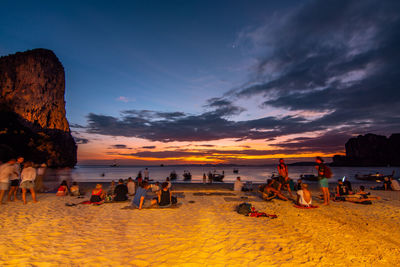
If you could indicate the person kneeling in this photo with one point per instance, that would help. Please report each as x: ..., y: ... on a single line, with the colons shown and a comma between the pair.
x: 304, y: 198
x: 139, y: 199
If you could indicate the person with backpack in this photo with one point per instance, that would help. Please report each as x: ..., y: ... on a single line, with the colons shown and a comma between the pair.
x: 323, y: 175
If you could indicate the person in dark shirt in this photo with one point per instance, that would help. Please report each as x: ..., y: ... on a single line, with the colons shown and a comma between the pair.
x: 164, y: 196
x: 341, y: 190
x: 120, y: 191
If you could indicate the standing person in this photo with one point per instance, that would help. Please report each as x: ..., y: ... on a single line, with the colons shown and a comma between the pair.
x: 204, y: 178
x: 28, y: 176
x: 15, y: 178
x: 39, y: 187
x: 131, y: 186
x: 323, y: 181
x: 6, y: 170
x: 238, y: 185
x: 146, y: 174
x: 284, y: 176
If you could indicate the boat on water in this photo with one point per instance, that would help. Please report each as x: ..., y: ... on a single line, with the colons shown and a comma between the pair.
x: 218, y: 177
x: 235, y: 170
x: 372, y: 177
x: 114, y: 164
x: 173, y: 175
x: 187, y: 176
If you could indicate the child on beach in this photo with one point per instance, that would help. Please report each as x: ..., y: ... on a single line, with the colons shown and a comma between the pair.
x: 62, y: 189
x: 28, y: 176
x: 98, y: 194
x: 304, y: 198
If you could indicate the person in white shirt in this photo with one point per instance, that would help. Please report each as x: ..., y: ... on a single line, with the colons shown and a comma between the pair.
x: 146, y: 173
x: 131, y: 186
x: 6, y: 171
x: 28, y: 176
x: 395, y: 184
x: 238, y: 185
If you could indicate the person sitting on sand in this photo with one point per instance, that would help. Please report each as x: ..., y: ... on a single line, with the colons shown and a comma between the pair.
x: 270, y: 192
x: 394, y: 184
x: 75, y: 189
x: 131, y: 186
x: 62, y: 189
x: 169, y: 183
x: 238, y: 185
x: 120, y: 191
x: 387, y: 184
x: 155, y: 187
x: 164, y: 196
x: 98, y: 194
x: 362, y: 191
x: 28, y: 176
x: 139, y: 201
x: 304, y: 198
x: 111, y: 188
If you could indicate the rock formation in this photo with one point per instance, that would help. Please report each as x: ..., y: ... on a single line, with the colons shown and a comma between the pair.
x: 32, y: 109
x: 371, y: 150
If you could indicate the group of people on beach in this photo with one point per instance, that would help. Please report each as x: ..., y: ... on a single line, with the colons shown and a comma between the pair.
x: 18, y: 174
x: 139, y: 189
x: 343, y: 192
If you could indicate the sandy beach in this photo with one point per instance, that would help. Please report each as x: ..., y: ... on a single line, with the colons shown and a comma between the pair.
x: 204, y: 230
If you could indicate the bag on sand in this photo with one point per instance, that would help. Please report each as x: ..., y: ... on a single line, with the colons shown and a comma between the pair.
x: 243, y: 208
x: 328, y: 172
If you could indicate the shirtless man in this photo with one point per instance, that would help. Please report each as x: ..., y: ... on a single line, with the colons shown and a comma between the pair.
x: 270, y: 192
x: 284, y: 177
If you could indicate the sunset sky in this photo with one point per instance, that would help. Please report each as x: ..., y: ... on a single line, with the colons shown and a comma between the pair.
x: 246, y: 82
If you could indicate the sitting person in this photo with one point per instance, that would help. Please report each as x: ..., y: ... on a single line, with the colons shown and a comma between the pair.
x: 164, y: 196
x: 269, y: 192
x: 131, y: 186
x: 238, y: 185
x: 387, y: 184
x: 111, y: 188
x: 75, y: 189
x: 395, y: 184
x: 139, y: 201
x: 62, y: 189
x: 348, y: 185
x: 155, y: 187
x: 98, y: 194
x: 341, y: 189
x: 120, y: 191
x: 304, y: 198
x: 361, y: 197
x: 362, y: 191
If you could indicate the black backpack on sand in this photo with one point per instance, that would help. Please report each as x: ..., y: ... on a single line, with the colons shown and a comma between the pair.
x: 244, y: 208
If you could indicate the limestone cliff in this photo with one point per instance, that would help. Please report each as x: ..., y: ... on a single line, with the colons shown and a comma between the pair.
x: 371, y: 150
x: 32, y: 106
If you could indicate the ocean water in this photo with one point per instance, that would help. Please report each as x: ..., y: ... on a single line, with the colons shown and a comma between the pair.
x: 255, y: 174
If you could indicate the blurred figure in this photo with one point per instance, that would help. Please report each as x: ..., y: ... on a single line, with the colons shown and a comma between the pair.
x: 238, y: 185
x: 15, y: 179
x: 131, y: 186
x: 28, y: 176
x: 6, y: 171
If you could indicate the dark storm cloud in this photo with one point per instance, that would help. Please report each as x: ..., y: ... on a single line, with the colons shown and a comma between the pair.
x: 340, y: 58
x: 149, y: 147
x: 81, y: 141
x: 119, y: 146
x: 337, y: 56
x: 77, y: 126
